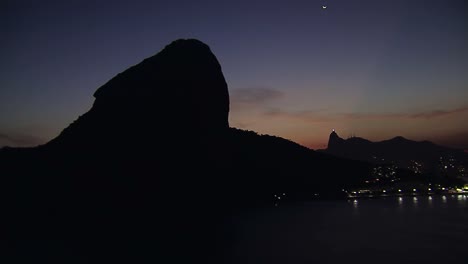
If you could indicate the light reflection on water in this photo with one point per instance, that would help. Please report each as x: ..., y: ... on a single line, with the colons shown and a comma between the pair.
x: 416, y: 201
x: 405, y: 227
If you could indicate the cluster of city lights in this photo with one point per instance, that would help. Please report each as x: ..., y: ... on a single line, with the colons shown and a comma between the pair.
x: 278, y: 198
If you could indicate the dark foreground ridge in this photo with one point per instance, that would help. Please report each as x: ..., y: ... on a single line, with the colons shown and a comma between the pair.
x: 153, y: 172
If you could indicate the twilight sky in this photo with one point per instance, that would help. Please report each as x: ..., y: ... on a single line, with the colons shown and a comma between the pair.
x: 373, y: 68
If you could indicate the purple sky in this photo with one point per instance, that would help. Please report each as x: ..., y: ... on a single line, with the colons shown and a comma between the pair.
x: 373, y: 68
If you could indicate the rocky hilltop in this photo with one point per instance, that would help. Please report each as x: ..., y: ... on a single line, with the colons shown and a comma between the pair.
x: 180, y: 90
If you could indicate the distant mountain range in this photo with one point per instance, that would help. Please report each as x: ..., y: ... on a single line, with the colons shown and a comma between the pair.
x: 422, y: 157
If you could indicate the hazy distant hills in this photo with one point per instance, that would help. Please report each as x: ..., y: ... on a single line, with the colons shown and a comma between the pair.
x: 152, y: 161
x: 402, y: 152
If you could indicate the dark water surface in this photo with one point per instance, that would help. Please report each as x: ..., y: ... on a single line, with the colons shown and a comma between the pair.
x: 424, y: 229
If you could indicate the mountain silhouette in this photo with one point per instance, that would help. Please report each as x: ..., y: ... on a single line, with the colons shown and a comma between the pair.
x: 178, y: 90
x: 153, y: 172
x: 398, y: 150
